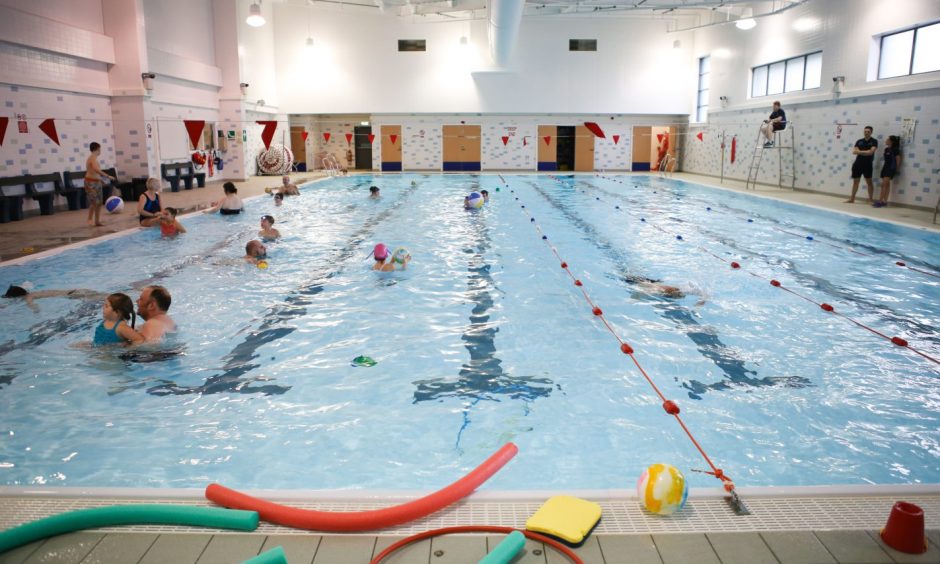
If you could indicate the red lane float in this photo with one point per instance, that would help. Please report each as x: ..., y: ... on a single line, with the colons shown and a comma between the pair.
x: 364, y: 520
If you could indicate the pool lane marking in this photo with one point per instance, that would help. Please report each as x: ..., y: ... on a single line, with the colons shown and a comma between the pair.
x: 898, y: 341
x: 847, y: 247
x: 669, y: 406
x: 294, y: 305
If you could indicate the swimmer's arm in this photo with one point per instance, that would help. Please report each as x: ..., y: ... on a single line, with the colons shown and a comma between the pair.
x: 150, y: 332
x: 179, y: 226
x: 129, y: 334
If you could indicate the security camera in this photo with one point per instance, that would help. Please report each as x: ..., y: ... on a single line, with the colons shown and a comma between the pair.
x: 149, y: 75
x: 243, y: 84
x: 723, y: 98
x: 838, y: 79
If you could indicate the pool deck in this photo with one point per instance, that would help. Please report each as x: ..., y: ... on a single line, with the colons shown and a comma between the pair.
x: 36, y: 233
x: 796, y: 525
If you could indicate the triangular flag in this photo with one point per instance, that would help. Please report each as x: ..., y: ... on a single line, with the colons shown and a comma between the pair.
x: 348, y: 138
x: 371, y: 138
x: 505, y: 140
x: 595, y: 129
x: 616, y: 139
x: 548, y: 139
x: 525, y: 141
x: 305, y: 135
x: 393, y: 138
x: 659, y: 137
x: 268, y: 132
x: 4, y: 121
x: 194, y: 129
x: 326, y: 136
x: 700, y: 136
x: 48, y: 127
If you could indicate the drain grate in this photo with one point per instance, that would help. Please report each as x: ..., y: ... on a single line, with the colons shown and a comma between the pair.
x: 620, y: 516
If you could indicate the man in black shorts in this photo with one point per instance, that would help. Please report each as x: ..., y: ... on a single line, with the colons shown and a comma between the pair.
x: 865, y: 150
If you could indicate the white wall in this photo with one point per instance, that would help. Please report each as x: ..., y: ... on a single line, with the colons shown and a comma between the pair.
x: 182, y: 28
x: 84, y: 14
x: 355, y: 66
x: 845, y: 31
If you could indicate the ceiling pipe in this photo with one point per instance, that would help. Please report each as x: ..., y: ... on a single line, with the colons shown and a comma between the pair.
x: 503, y: 20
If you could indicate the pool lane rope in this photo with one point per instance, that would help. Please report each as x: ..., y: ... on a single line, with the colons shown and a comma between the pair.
x: 850, y: 249
x: 138, y: 514
x: 669, y: 406
x: 375, y: 519
x: 898, y: 341
x: 477, y: 529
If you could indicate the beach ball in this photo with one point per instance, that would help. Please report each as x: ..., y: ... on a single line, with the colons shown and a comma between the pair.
x: 114, y: 204
x: 662, y: 489
x: 475, y: 200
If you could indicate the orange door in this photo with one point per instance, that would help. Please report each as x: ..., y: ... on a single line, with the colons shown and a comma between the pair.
x: 548, y: 147
x: 391, y: 147
x: 583, y: 149
x: 297, y: 145
x: 641, y: 148
x: 451, y: 146
x: 471, y: 148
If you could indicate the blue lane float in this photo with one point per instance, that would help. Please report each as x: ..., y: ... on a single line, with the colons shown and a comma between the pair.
x: 140, y: 514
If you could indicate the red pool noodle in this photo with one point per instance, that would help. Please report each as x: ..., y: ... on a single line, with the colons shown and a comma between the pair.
x: 364, y: 520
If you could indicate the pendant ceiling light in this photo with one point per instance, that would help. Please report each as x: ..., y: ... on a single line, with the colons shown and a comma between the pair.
x: 255, y: 19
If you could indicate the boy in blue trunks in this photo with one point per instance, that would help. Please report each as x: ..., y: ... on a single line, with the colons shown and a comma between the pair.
x: 864, y: 150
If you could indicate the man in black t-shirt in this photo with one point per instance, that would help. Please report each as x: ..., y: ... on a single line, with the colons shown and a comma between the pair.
x: 865, y: 150
x: 776, y: 122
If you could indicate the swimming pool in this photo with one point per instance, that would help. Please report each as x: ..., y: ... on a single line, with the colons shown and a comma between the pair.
x: 484, y: 339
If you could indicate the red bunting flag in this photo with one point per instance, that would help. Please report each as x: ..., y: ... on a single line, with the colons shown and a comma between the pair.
x: 548, y: 139
x: 700, y: 136
x: 659, y: 137
x: 595, y: 129
x: 305, y: 135
x: 4, y: 122
x: 525, y: 141
x: 393, y: 138
x: 505, y: 140
x: 194, y: 129
x: 371, y: 138
x: 734, y: 147
x: 267, y: 134
x: 48, y: 127
x: 349, y: 138
x: 326, y: 136
x: 616, y: 139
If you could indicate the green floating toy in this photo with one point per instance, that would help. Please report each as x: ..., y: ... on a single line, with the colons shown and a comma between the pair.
x: 363, y: 361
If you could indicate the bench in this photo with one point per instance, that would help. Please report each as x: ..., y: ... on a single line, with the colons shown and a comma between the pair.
x: 40, y: 187
x: 174, y: 172
x: 74, y: 187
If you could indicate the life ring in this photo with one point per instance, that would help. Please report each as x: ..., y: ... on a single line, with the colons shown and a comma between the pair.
x: 277, y: 160
x: 364, y: 520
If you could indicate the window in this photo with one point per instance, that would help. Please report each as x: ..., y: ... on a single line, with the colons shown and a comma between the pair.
x: 912, y: 51
x: 791, y: 75
x: 701, y: 102
x: 412, y: 45
x: 582, y: 45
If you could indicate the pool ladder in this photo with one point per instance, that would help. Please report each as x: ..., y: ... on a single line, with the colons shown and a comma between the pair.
x: 783, y: 142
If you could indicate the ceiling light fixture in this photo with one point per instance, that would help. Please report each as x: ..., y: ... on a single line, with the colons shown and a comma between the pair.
x: 255, y: 19
x: 745, y: 24
x: 309, y: 43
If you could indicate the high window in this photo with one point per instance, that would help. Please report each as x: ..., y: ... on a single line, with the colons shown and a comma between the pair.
x: 790, y: 75
x: 701, y: 104
x: 912, y: 51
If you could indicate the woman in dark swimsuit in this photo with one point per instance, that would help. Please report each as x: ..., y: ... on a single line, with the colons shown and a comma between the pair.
x: 148, y: 206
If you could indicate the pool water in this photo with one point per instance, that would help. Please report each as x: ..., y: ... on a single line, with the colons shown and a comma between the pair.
x: 484, y: 339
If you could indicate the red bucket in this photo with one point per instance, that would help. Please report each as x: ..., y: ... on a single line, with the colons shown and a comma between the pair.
x: 905, y: 529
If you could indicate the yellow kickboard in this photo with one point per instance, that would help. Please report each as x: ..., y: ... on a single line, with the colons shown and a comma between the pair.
x: 566, y: 517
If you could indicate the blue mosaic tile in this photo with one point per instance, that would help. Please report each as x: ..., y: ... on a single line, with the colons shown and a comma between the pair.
x: 43, y: 161
x: 918, y: 199
x: 29, y: 145
x: 133, y: 132
x: 91, y: 110
x: 14, y: 89
x: 926, y: 190
x: 9, y: 104
x: 9, y: 163
x: 71, y: 159
x: 22, y: 151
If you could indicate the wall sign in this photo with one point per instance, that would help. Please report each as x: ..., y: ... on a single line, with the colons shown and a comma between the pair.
x: 21, y: 123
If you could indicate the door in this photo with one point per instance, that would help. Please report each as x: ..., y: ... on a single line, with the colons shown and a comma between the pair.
x: 298, y: 146
x: 641, y: 147
x: 564, y: 155
x: 391, y: 147
x: 583, y: 149
x: 548, y: 147
x: 461, y: 147
x: 363, y: 146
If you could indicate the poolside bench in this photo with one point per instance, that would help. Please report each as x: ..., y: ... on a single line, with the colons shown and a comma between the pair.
x: 74, y: 187
x: 174, y: 172
x: 40, y: 187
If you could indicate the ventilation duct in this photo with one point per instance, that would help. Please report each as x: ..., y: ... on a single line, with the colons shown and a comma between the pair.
x: 503, y: 19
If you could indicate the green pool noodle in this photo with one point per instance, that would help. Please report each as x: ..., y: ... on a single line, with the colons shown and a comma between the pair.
x: 363, y: 361
x: 506, y: 550
x: 274, y: 556
x: 139, y: 514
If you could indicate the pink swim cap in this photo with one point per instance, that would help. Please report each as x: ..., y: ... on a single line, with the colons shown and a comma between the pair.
x: 380, y: 252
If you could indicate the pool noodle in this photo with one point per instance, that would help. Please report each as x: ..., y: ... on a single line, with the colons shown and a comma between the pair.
x: 274, y: 556
x: 127, y: 515
x: 506, y: 550
x: 364, y: 520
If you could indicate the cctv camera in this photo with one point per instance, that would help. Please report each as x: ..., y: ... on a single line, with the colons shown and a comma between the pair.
x: 243, y: 84
x: 838, y: 78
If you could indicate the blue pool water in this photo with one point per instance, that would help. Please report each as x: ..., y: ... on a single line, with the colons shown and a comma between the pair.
x: 483, y: 340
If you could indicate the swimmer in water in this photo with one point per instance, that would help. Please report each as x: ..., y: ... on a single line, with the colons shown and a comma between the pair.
x: 278, y: 199
x: 268, y: 232
x: 255, y: 252
x: 374, y: 193
x: 395, y: 261
x: 486, y: 195
x: 379, y: 253
x: 24, y: 290
x: 653, y: 287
